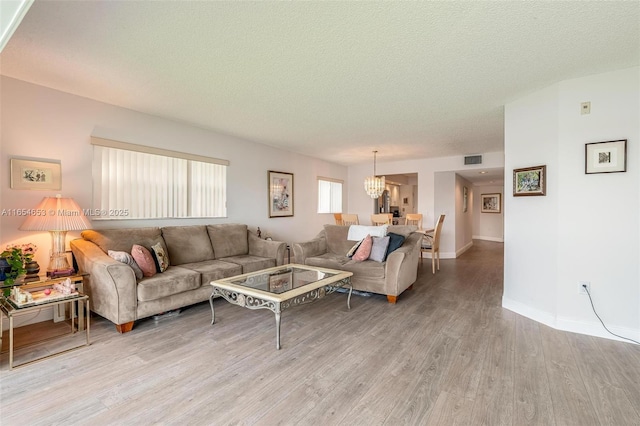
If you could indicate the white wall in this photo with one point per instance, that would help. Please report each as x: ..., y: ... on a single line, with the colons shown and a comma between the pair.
x: 360, y: 203
x: 44, y: 123
x: 587, y: 228
x: 446, y: 196
x: 487, y: 226
x: 463, y: 220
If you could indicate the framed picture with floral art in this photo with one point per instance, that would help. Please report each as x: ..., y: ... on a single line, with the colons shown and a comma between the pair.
x: 36, y: 174
x: 490, y: 203
x: 530, y: 181
x: 280, y: 194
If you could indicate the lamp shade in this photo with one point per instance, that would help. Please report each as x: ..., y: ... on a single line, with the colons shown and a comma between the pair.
x: 56, y: 214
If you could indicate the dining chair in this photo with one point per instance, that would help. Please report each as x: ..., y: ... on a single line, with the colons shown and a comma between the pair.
x: 431, y: 244
x: 338, y: 218
x: 381, y: 219
x: 414, y: 219
x: 350, y: 219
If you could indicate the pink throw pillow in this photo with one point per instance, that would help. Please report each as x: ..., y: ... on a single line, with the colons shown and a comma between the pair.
x: 143, y: 258
x: 364, y: 250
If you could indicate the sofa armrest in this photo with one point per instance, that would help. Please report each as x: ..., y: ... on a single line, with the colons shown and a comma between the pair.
x: 315, y: 247
x: 111, y: 285
x: 401, y: 269
x: 265, y: 248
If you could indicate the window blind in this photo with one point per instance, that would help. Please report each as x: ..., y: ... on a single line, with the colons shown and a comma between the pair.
x: 132, y: 184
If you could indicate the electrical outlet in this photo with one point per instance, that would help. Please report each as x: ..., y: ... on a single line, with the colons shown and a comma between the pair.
x: 585, y: 108
x: 581, y: 287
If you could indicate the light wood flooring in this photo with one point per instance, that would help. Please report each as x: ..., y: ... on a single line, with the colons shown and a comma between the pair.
x: 445, y: 354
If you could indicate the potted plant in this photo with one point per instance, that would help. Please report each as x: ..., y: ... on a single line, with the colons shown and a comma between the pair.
x: 14, y: 257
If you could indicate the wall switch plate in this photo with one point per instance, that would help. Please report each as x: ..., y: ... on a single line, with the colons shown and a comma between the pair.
x: 581, y: 285
x: 585, y: 108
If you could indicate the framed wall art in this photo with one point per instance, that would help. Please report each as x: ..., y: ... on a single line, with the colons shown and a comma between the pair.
x: 465, y: 199
x: 490, y: 203
x: 36, y: 174
x: 280, y: 194
x: 530, y: 181
x: 605, y: 157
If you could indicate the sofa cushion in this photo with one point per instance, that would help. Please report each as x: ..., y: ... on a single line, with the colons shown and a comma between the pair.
x: 145, y: 261
x: 336, y: 237
x: 327, y: 260
x: 213, y: 270
x: 123, y: 239
x: 188, y: 244
x: 404, y: 230
x: 379, y: 249
x: 251, y: 263
x: 366, y: 269
x: 364, y: 250
x: 175, y: 280
x: 228, y: 239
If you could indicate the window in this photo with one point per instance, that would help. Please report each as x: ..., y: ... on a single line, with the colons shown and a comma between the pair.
x: 139, y: 182
x: 329, y: 195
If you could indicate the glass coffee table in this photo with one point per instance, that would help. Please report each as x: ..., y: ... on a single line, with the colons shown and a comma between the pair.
x: 280, y: 288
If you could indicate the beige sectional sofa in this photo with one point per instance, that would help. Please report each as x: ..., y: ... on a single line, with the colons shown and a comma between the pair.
x: 391, y: 277
x: 197, y: 255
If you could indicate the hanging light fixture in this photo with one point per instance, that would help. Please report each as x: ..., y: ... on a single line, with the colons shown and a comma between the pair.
x: 374, y: 185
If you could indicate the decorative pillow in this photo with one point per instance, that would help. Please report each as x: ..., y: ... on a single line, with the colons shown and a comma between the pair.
x: 126, y: 258
x: 144, y: 260
x: 379, y: 248
x: 395, y: 242
x: 353, y: 249
x: 161, y: 259
x: 364, y: 250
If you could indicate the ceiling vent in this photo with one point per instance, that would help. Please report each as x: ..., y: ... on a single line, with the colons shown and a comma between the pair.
x: 472, y: 159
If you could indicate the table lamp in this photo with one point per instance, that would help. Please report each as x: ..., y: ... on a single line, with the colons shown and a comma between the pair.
x: 58, y: 215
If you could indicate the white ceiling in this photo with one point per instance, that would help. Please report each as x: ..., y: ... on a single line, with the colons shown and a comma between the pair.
x: 332, y: 80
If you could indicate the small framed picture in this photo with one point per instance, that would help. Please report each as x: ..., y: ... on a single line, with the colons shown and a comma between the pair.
x: 605, y: 157
x: 280, y: 194
x: 490, y: 203
x: 530, y: 181
x: 36, y: 174
x: 465, y: 199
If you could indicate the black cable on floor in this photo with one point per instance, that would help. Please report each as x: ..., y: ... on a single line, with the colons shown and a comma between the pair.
x: 601, y: 322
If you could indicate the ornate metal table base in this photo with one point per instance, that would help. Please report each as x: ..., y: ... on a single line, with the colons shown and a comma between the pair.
x: 252, y: 302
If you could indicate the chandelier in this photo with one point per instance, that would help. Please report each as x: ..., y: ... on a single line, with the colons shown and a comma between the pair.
x: 373, y: 185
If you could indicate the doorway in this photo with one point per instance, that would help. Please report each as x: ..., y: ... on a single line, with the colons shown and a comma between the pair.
x: 400, y: 196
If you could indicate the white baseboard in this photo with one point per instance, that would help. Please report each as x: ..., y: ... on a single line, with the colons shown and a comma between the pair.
x: 450, y: 254
x: 463, y: 249
x: 590, y: 328
x: 480, y: 237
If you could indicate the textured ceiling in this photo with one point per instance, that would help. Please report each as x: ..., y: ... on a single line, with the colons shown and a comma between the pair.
x: 332, y: 80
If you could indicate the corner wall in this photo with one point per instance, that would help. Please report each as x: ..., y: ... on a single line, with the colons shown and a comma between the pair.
x: 587, y: 227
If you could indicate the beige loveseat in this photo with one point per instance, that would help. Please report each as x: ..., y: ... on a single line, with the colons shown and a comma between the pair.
x: 391, y: 277
x: 197, y: 255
